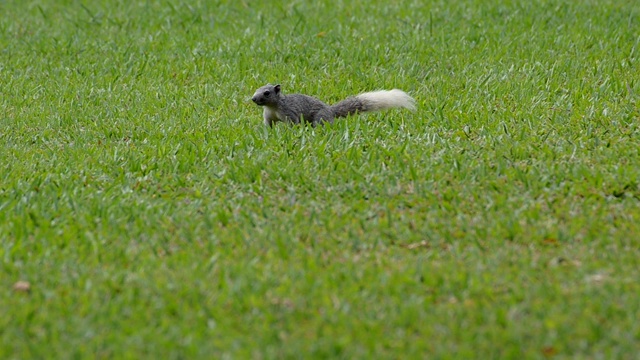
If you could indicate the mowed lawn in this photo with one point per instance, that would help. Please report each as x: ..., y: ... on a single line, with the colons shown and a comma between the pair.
x: 147, y: 212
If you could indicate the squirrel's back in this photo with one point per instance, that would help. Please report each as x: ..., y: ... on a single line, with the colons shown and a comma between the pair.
x: 300, y: 107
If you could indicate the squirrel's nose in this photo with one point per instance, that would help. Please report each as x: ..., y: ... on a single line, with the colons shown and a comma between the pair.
x: 254, y: 99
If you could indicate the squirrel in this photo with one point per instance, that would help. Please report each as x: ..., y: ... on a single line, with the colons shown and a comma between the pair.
x: 295, y: 108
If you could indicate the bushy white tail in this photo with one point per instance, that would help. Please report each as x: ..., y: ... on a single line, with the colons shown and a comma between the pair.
x: 386, y: 99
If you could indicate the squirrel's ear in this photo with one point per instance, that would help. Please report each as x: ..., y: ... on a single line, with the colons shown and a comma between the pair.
x: 277, y: 88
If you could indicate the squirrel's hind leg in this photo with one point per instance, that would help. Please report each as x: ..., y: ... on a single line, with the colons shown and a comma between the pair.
x: 321, y: 117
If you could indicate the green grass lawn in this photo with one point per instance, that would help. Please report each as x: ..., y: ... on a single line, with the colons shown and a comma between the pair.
x: 153, y: 215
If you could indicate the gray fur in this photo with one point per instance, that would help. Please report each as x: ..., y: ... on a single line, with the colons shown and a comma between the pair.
x: 349, y: 106
x: 295, y: 108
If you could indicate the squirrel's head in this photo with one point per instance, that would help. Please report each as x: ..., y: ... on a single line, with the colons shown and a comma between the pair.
x: 267, y: 95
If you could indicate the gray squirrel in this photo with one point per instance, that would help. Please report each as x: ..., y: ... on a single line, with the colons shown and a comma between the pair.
x: 295, y: 108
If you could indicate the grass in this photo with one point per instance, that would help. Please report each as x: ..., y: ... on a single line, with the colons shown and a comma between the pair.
x: 154, y: 216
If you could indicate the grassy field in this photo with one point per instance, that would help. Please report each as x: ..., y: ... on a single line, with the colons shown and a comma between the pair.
x: 146, y: 211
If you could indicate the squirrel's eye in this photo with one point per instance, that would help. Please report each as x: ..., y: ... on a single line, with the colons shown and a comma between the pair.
x: 266, y: 93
